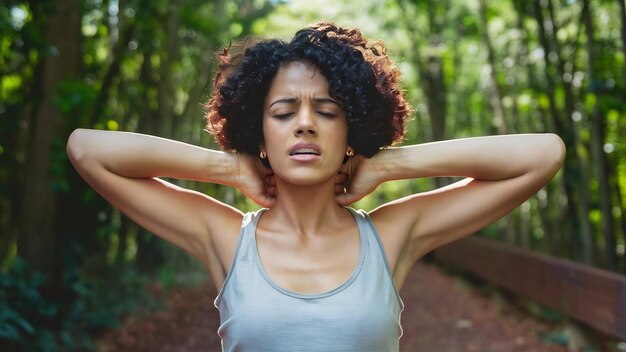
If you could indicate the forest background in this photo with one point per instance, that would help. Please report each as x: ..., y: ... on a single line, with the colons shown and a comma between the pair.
x: 71, y: 265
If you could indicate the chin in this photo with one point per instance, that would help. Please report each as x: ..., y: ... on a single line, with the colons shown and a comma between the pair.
x: 304, y: 181
x: 305, y: 178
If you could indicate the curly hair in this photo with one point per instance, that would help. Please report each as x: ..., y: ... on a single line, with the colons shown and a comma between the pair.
x: 360, y: 76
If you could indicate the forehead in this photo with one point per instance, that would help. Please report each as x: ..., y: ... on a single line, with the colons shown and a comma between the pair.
x: 296, y: 78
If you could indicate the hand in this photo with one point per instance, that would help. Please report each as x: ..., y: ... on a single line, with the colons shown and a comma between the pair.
x: 255, y: 180
x: 357, y: 178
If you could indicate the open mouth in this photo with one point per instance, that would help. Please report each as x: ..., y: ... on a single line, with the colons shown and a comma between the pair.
x: 304, y: 151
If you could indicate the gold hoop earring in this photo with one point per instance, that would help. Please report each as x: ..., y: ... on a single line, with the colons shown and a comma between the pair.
x: 350, y: 152
x: 262, y: 155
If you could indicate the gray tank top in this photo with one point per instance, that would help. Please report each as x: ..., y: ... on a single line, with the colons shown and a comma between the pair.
x: 362, y: 314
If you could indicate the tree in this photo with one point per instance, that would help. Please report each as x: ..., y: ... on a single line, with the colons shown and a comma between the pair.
x: 60, y: 63
x: 598, y: 137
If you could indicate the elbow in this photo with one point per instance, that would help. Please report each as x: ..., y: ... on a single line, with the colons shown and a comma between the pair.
x: 558, y: 146
x: 76, y: 146
x: 554, y: 152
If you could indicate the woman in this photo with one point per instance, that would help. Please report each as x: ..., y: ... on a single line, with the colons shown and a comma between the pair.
x: 305, y: 126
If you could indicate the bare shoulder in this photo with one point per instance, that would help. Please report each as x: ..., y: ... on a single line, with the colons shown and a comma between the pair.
x: 224, y: 231
x: 394, y: 228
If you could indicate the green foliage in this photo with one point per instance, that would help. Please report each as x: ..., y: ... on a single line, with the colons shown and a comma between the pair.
x: 105, y: 300
x: 26, y: 317
x: 21, y: 307
x: 120, y: 86
x: 75, y: 96
x: 20, y: 301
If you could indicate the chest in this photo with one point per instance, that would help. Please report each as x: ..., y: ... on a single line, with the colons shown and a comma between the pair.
x: 333, y: 323
x: 359, y: 314
x: 308, y: 265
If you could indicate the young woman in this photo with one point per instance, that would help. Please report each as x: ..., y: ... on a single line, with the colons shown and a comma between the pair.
x: 305, y: 126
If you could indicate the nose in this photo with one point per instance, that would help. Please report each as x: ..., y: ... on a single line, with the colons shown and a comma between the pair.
x: 305, y: 124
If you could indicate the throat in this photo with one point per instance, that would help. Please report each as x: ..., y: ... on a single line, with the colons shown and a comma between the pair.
x: 306, y: 208
x: 314, y: 269
x: 307, y: 264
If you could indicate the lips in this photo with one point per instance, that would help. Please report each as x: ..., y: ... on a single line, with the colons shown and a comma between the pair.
x: 305, y: 149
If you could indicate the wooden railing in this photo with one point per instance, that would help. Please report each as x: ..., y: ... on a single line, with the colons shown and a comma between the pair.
x: 593, y: 296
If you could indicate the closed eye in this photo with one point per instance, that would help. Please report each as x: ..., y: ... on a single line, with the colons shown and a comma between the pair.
x: 283, y: 116
x: 327, y: 114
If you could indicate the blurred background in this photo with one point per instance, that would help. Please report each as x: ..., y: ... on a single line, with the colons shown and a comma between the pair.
x: 71, y: 265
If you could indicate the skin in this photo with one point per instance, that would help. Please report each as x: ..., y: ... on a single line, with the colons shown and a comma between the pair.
x: 312, y: 248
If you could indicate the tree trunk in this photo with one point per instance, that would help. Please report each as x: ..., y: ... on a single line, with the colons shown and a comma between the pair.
x: 193, y: 107
x: 146, y: 123
x: 431, y: 76
x: 524, y: 122
x: 495, y: 98
x: 117, y: 55
x: 622, y: 13
x: 619, y: 199
x: 122, y: 238
x: 165, y: 86
x: 598, y: 132
x: 37, y: 242
x: 583, y: 192
x: 574, y: 175
x: 508, y: 225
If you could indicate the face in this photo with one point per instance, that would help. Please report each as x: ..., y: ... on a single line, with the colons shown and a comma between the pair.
x: 305, y: 130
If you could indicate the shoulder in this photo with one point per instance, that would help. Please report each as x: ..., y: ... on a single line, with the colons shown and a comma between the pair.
x: 392, y: 220
x: 392, y: 231
x: 224, y: 229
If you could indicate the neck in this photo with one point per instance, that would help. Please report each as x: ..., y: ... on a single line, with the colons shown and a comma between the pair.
x: 305, y: 209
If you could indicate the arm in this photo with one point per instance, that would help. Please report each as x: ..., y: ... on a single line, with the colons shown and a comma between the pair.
x: 501, y: 172
x: 123, y: 167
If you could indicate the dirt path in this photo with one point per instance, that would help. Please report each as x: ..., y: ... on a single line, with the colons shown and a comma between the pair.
x: 440, y: 315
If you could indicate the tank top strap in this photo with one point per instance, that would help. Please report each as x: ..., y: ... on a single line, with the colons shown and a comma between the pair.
x: 245, y: 247
x: 362, y: 314
x: 248, y: 228
x: 366, y: 225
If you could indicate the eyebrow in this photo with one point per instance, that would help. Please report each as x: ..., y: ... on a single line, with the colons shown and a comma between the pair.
x: 315, y: 100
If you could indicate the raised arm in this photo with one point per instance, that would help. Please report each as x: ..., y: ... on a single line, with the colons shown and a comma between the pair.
x: 501, y: 172
x: 124, y: 168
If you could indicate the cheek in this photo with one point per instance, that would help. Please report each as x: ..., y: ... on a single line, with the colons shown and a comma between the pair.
x: 341, y: 132
x: 273, y: 138
x: 339, y: 137
x: 269, y: 131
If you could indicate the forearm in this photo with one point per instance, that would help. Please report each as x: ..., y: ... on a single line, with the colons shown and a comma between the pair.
x: 142, y: 156
x: 483, y: 158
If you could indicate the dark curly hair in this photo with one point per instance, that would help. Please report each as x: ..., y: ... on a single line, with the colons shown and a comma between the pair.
x: 360, y: 76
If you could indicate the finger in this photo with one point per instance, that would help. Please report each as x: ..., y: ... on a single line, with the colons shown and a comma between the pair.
x: 344, y: 199
x: 266, y: 201
x: 347, y: 197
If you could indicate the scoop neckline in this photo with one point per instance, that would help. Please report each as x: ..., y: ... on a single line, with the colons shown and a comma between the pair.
x: 310, y: 296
